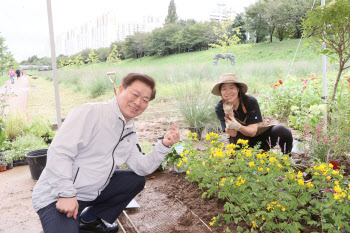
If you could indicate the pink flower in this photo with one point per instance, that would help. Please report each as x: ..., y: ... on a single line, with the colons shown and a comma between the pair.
x: 0, y: 123
x: 348, y: 80
x: 304, y: 80
x: 304, y: 87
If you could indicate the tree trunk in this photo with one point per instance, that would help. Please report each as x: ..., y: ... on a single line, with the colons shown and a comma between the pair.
x: 341, y: 66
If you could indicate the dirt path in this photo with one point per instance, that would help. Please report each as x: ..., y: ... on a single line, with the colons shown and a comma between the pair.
x: 20, y: 90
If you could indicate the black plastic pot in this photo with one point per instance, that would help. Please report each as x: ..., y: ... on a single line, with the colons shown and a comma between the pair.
x: 9, y: 166
x: 37, y: 162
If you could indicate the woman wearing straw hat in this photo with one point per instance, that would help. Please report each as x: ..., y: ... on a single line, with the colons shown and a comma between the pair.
x: 242, y: 118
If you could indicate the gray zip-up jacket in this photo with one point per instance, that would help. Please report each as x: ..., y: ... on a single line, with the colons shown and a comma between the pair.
x: 93, y: 141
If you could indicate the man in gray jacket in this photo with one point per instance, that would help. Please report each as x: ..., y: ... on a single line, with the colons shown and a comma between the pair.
x: 83, y: 160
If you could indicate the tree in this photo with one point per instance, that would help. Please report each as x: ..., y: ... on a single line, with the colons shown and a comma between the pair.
x: 103, y: 53
x: 239, y: 22
x: 172, y: 16
x: 330, y: 25
x: 227, y: 37
x: 114, y: 56
x: 6, y: 58
x: 93, y: 58
x: 257, y: 25
x: 78, y: 60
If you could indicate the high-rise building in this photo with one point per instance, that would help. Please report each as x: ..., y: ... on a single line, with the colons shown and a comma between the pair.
x: 101, y: 32
x: 220, y: 12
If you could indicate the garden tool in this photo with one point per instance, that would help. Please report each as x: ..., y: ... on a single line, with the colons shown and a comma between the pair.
x: 109, y: 74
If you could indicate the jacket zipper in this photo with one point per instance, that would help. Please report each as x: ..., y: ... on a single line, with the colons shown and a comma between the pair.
x: 120, y: 139
x: 76, y: 175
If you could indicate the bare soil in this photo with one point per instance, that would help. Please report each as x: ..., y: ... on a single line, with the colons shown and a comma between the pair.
x: 168, y: 204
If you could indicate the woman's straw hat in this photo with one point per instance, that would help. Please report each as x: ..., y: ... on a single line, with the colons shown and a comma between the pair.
x: 228, y: 78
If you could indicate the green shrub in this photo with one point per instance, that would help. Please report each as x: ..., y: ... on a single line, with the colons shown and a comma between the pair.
x: 41, y: 127
x: 264, y: 191
x: 25, y: 144
x: 16, y: 125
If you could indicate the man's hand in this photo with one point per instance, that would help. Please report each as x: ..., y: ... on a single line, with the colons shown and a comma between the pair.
x: 232, y: 124
x: 68, y: 206
x: 172, y: 137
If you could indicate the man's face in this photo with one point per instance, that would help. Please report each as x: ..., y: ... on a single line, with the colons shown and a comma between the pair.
x: 134, y: 99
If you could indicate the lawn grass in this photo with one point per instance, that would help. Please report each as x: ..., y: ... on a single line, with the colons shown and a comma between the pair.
x: 3, y: 79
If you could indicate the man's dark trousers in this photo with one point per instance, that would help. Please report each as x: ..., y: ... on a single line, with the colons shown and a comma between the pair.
x: 122, y: 188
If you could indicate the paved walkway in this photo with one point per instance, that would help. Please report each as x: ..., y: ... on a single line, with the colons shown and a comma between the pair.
x: 17, y: 101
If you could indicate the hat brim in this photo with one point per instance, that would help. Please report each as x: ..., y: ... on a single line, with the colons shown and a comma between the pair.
x: 216, y: 90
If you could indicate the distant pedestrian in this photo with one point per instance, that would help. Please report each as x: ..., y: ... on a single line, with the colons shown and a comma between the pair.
x: 22, y: 73
x: 18, y: 72
x: 12, y: 75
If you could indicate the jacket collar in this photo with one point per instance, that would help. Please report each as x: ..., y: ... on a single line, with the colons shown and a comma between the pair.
x: 116, y: 110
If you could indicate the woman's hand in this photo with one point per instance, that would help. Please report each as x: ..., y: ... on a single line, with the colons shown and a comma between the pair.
x: 232, y: 124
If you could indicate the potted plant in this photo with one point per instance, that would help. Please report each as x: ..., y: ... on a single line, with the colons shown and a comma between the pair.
x: 9, y: 160
x: 3, y: 166
x: 174, y: 157
x: 41, y: 127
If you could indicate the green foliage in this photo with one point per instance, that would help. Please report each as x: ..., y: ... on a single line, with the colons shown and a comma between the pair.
x: 93, y: 58
x: 195, y: 105
x: 329, y: 26
x: 299, y: 101
x: 41, y: 127
x: 16, y: 125
x: 263, y: 190
x: 114, y: 56
x: 226, y: 39
x: 3, y: 136
x: 172, y: 16
x: 25, y: 144
x: 78, y: 60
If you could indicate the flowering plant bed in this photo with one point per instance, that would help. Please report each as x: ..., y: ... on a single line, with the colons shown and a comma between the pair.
x: 263, y: 190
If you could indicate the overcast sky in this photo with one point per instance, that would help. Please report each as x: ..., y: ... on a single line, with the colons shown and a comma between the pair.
x: 24, y: 23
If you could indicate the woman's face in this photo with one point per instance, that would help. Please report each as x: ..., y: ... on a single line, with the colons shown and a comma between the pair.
x: 229, y: 91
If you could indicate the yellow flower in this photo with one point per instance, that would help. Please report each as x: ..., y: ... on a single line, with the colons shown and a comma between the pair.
x: 242, y: 181
x: 238, y: 184
x: 181, y: 154
x: 240, y: 177
x: 187, y: 151
x: 268, y: 208
x: 184, y: 159
x: 214, y: 218
x: 336, y: 182
x: 203, y: 163
x: 207, y: 137
x: 316, y: 173
x: 211, y: 224
x: 279, y: 165
x: 260, y: 169
x: 310, y: 185
x: 189, y: 133
x: 335, y: 172
x: 272, y: 159
x: 328, y: 177
x: 285, y: 158
x: 243, y: 159
x: 179, y: 164
x: 337, y: 189
x: 254, y: 224
x: 188, y: 172
x: 223, y: 179
x: 263, y: 218
x: 283, y: 209
x: 268, y: 169
x: 349, y: 197
x: 222, y: 184
x: 231, y: 180
x: 274, y: 202
x: 336, y: 196
x: 262, y: 161
x: 301, y: 182
x: 259, y: 156
x: 300, y: 174
x: 251, y: 164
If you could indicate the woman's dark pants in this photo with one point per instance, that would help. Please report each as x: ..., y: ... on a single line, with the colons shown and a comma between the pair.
x: 278, y: 134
